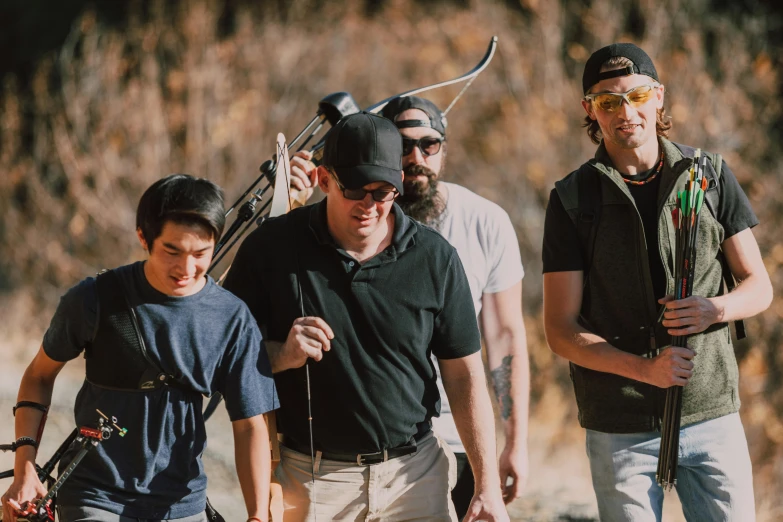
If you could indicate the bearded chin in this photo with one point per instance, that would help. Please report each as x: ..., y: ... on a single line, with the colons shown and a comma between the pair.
x: 421, y: 200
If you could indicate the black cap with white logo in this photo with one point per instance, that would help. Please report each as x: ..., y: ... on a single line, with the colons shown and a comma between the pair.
x: 364, y: 148
x: 642, y: 64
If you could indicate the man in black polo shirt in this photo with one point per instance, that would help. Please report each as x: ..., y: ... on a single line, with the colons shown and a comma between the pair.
x: 368, y: 293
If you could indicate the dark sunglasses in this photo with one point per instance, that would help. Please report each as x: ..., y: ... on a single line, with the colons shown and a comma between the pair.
x: 428, y: 145
x: 380, y: 194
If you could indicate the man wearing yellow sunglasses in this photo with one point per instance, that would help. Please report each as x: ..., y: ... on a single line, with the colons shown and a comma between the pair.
x: 608, y: 264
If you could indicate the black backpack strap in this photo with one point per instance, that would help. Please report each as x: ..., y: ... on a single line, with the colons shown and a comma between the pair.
x: 580, y: 194
x: 117, y: 358
x: 713, y: 172
x: 588, y: 214
x: 712, y: 200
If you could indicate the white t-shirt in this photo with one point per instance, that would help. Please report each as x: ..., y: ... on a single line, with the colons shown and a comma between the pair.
x: 487, y: 245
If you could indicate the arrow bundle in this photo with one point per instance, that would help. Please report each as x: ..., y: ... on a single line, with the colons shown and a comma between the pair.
x: 686, y: 224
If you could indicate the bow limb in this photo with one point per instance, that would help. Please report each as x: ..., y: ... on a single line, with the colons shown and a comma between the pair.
x: 281, y: 199
x: 467, y: 77
x: 281, y: 204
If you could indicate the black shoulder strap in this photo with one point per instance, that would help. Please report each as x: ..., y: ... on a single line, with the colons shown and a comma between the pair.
x: 580, y: 194
x: 712, y: 200
x: 586, y: 219
x: 713, y: 172
x: 117, y: 358
x: 588, y: 214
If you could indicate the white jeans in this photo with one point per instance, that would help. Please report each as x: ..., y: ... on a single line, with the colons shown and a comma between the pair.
x: 714, y: 477
x: 413, y: 487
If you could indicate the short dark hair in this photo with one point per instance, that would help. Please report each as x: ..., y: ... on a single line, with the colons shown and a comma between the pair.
x: 182, y: 199
x: 663, y: 123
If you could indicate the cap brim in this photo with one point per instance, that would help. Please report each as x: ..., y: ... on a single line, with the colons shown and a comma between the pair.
x: 361, y: 175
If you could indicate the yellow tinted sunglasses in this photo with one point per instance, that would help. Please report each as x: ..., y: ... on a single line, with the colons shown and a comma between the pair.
x: 611, y: 101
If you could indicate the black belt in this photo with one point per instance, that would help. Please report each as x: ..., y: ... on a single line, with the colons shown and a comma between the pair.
x: 364, y: 459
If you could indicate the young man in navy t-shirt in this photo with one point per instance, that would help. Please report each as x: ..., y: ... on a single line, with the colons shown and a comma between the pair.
x: 200, y: 337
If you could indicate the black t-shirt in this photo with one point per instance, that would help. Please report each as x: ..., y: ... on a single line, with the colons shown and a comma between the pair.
x: 377, y: 383
x: 646, y: 198
x: 561, y: 251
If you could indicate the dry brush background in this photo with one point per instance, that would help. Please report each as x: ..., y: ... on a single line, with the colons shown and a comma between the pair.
x: 134, y: 91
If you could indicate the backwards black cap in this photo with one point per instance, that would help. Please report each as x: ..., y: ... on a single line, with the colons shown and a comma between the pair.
x: 436, y: 120
x: 364, y: 148
x: 642, y: 64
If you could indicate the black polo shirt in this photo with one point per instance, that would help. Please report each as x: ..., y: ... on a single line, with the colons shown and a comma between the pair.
x: 378, y: 382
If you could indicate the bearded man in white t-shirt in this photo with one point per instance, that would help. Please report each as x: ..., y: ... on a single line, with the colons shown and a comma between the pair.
x: 484, y: 237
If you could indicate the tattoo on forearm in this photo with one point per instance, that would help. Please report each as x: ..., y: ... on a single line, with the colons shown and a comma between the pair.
x: 501, y: 381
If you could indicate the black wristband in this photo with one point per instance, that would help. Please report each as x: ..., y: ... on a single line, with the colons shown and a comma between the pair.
x: 25, y: 441
x: 30, y: 404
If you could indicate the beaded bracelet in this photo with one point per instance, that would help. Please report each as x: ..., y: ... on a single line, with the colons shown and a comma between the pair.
x: 25, y: 441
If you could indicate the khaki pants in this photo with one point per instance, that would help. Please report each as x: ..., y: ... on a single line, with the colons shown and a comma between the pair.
x: 413, y: 487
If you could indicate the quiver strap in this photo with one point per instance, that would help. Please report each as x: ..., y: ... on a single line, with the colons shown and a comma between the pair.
x: 117, y: 357
x: 587, y: 219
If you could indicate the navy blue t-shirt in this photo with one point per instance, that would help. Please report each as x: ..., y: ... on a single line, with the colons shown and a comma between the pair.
x: 210, y: 342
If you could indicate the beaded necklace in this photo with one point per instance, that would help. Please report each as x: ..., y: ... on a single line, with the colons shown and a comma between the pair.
x: 649, y: 178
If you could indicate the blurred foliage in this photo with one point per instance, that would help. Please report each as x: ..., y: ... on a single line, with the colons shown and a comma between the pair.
x: 96, y: 103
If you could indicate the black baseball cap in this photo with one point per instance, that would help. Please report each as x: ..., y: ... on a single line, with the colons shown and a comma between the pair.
x: 363, y: 148
x: 642, y: 64
x: 436, y: 120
